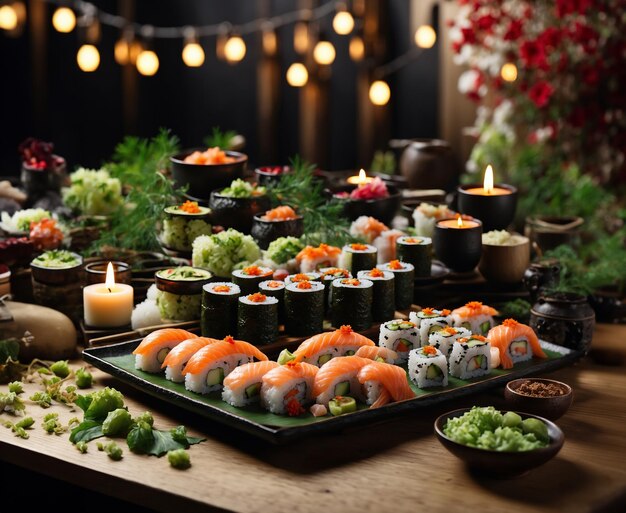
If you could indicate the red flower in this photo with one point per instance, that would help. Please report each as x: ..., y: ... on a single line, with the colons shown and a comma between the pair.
x: 551, y: 37
x: 513, y: 31
x: 486, y: 22
x: 540, y: 93
x: 533, y: 54
x: 565, y: 7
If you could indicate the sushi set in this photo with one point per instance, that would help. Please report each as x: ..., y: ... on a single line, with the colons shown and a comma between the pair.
x: 332, y: 379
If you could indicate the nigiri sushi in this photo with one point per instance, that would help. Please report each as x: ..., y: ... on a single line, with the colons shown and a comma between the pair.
x: 151, y: 352
x: 384, y: 383
x: 178, y: 357
x: 338, y: 377
x: 320, y: 348
x: 367, y: 228
x: 243, y: 385
x: 474, y: 316
x: 311, y: 259
x: 288, y: 388
x: 386, y: 245
x: 206, y: 369
x: 378, y: 354
x: 516, y: 342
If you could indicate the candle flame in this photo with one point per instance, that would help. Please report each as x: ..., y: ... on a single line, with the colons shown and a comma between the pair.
x: 459, y: 221
x: 362, y: 177
x: 488, y: 182
x: 109, y: 282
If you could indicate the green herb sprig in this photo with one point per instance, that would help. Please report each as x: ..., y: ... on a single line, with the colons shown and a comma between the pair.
x: 223, y: 140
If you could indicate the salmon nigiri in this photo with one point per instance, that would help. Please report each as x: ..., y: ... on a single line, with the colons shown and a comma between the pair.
x: 151, y: 352
x: 312, y: 258
x: 288, y: 388
x: 516, y: 342
x: 320, y: 348
x: 377, y: 377
x: 282, y: 213
x: 243, y: 385
x: 178, y: 357
x: 338, y: 377
x: 376, y: 353
x: 206, y: 369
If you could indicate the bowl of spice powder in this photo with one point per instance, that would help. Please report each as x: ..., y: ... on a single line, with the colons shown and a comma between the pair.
x: 544, y: 397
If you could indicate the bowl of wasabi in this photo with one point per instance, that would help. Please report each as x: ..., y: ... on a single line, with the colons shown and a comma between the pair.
x: 499, y: 443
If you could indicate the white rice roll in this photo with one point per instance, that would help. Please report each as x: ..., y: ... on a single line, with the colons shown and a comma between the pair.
x: 425, y: 216
x: 479, y: 324
x: 470, y: 357
x: 243, y: 385
x: 430, y: 320
x: 385, y: 243
x: 444, y: 339
x: 287, y: 383
x: 428, y: 367
x: 209, y: 378
x: 338, y: 377
x: 400, y: 336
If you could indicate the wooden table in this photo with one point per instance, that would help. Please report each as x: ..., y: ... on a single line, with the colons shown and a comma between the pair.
x: 395, y: 466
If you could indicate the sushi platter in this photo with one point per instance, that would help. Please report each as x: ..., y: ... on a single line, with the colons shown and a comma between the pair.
x: 118, y: 361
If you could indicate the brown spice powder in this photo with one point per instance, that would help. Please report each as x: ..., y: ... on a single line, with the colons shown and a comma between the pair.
x: 540, y: 389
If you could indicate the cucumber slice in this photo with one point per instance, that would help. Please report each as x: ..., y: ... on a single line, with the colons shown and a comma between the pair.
x: 253, y: 390
x: 342, y: 388
x: 285, y: 356
x: 518, y: 347
x: 477, y: 362
x: 434, y: 372
x: 162, y: 354
x: 467, y: 325
x: 393, y: 327
x: 380, y: 359
x: 434, y: 328
x: 341, y: 405
x: 485, y: 327
x: 473, y: 343
x: 349, y: 352
x: 324, y: 358
x: 215, y: 377
x: 406, y: 326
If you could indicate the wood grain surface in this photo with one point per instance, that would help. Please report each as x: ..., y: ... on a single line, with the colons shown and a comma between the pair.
x: 395, y: 466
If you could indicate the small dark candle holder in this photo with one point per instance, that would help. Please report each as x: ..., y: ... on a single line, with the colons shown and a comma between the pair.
x: 459, y: 249
x: 96, y: 272
x: 496, y: 211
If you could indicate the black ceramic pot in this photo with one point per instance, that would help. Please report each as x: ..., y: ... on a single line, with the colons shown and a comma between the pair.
x: 201, y: 179
x: 237, y: 213
x: 541, y: 276
x: 496, y: 212
x: 383, y: 209
x: 38, y: 181
x: 459, y: 249
x: 266, y: 175
x: 564, y: 319
x: 548, y: 232
x: 266, y: 231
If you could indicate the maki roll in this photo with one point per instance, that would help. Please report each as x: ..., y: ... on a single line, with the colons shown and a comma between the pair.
x: 470, y: 357
x: 404, y: 282
x: 351, y: 303
x: 384, y: 300
x: 288, y: 388
x: 338, y: 377
x: 358, y: 257
x: 428, y: 367
x: 151, y: 352
x: 219, y: 309
x: 279, y: 222
x: 328, y: 275
x: 474, y: 316
x: 378, y: 354
x: 178, y: 357
x: 257, y: 319
x: 297, y: 278
x: 311, y: 258
x: 430, y: 320
x: 243, y: 386
x: 416, y: 251
x: 249, y: 278
x: 275, y: 289
x: 179, y: 292
x: 445, y: 338
x: 182, y: 224
x: 322, y: 347
x: 400, y: 336
x: 515, y: 342
x: 304, y: 308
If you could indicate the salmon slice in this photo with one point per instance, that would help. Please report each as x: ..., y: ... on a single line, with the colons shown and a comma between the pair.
x: 344, y: 336
x: 474, y: 308
x: 244, y: 374
x: 220, y: 350
x: 157, y: 337
x: 324, y: 250
x: 185, y: 350
x: 340, y: 366
x: 391, y: 377
x: 383, y: 398
x: 283, y: 374
x: 282, y: 213
x: 501, y: 337
x: 373, y: 352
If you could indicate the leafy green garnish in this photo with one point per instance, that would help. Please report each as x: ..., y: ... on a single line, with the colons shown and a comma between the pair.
x: 43, y: 399
x: 9, y: 348
x: 86, y: 431
x: 223, y: 140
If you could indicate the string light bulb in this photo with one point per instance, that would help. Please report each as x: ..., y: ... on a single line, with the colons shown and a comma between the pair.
x: 193, y: 53
x: 324, y: 53
x: 356, y: 48
x: 9, y: 18
x: 343, y: 22
x: 88, y: 58
x: 234, y: 49
x: 147, y: 63
x: 379, y: 92
x: 301, y: 37
x: 297, y: 75
x: 508, y: 72
x: 269, y: 40
x: 64, y: 20
x: 425, y: 36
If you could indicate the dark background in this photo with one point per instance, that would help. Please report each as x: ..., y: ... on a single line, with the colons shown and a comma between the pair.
x: 82, y: 112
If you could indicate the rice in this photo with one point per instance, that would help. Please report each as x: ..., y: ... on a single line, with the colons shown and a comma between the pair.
x: 502, y: 238
x: 421, y: 370
x: 145, y: 314
x: 177, y: 307
x: 385, y: 243
x: 425, y: 216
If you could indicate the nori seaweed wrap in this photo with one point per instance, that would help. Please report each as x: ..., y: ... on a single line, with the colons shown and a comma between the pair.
x: 275, y: 289
x: 384, y: 298
x: 257, y: 319
x: 219, y: 309
x: 249, y: 278
x: 404, y: 278
x: 358, y: 257
x: 351, y: 303
x: 304, y: 308
x: 416, y: 251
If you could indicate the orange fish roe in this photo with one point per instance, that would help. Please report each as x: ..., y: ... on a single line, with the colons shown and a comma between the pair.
x: 274, y: 284
x: 473, y: 337
x: 351, y: 281
x: 294, y: 408
x: 254, y: 270
x: 445, y: 312
x: 359, y: 247
x: 429, y: 350
x: 450, y: 330
x: 396, y: 264
x: 229, y: 339
x: 282, y: 213
x: 191, y: 207
x: 346, y: 329
x: 474, y: 305
x: 221, y: 288
x: 428, y: 311
x: 510, y: 323
x: 300, y: 277
x: 257, y: 297
x: 304, y: 285
x: 376, y: 273
x: 412, y: 240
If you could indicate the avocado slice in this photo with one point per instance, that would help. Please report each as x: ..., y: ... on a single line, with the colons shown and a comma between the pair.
x: 518, y: 347
x: 349, y: 352
x: 253, y: 390
x: 341, y: 405
x: 342, y: 388
x: 324, y: 358
x: 285, y: 356
x: 433, y: 372
x: 215, y: 376
x: 485, y: 327
x: 162, y: 354
x: 477, y: 362
x: 467, y: 325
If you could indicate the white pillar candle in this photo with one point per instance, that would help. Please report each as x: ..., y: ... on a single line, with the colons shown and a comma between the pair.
x: 109, y: 304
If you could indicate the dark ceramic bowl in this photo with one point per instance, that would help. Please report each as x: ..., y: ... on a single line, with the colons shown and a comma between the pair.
x: 58, y: 275
x: 204, y: 178
x: 549, y: 407
x: 237, y: 213
x: 265, y: 232
x: 495, y: 212
x: 383, y: 209
x: 500, y: 463
x: 266, y: 175
x: 181, y: 287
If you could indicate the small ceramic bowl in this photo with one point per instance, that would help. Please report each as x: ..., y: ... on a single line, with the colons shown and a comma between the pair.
x: 266, y: 175
x: 505, y: 264
x: 383, y: 209
x: 551, y: 408
x: 501, y: 463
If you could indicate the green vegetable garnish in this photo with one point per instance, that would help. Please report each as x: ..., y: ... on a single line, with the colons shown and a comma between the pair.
x: 537, y: 428
x: 57, y: 259
x: 241, y: 189
x: 93, y: 192
x: 51, y: 424
x: 61, y: 368
x: 284, y: 249
x: 102, y: 402
x: 82, y: 447
x: 117, y: 423
x: 43, y: 399
x: 285, y: 356
x: 146, y: 416
x: 10, y: 402
x: 140, y: 438
x: 16, y: 387
x: 25, y: 423
x: 114, y: 451
x: 179, y: 458
x: 341, y: 404
x: 511, y: 419
x: 83, y: 378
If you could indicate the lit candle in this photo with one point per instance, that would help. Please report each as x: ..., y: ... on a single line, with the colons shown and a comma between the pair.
x: 458, y: 223
x: 458, y: 243
x: 361, y: 179
x: 108, y: 304
x: 488, y: 188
